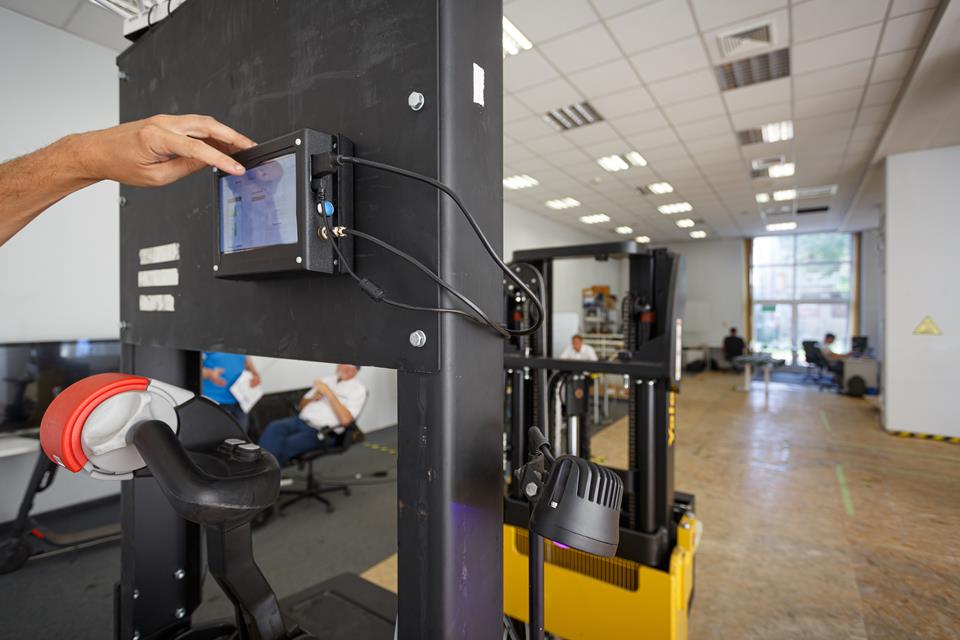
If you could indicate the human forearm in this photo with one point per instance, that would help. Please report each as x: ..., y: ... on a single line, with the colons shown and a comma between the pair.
x: 343, y: 414
x: 32, y: 183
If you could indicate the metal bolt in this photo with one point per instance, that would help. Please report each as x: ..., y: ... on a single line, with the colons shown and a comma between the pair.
x: 180, y: 613
x: 122, y: 75
x: 418, y: 338
x: 685, y: 525
x: 215, y: 170
x: 530, y: 489
x: 123, y: 201
x: 179, y: 574
x: 415, y: 100
x: 299, y: 259
x: 216, y: 268
x: 297, y: 142
x: 136, y: 594
x: 136, y: 635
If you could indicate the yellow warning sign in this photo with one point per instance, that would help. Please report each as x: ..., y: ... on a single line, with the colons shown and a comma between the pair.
x: 927, y: 327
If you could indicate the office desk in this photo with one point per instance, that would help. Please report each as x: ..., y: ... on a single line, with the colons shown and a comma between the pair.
x: 866, y: 367
x: 763, y: 360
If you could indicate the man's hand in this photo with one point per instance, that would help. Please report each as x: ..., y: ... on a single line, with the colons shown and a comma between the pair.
x: 158, y: 150
x: 255, y: 380
x: 323, y: 391
x: 215, y: 376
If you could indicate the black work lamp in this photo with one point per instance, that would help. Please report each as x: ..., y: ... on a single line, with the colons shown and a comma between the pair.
x: 574, y: 503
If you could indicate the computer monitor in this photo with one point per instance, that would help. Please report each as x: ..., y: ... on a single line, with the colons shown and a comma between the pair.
x: 859, y: 345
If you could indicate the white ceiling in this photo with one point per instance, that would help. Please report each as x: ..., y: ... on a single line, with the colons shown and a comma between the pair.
x: 647, y: 67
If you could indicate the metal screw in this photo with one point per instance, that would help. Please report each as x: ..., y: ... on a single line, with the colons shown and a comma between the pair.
x: 123, y: 201
x: 136, y: 593
x: 136, y: 635
x: 418, y: 338
x: 685, y: 525
x: 179, y: 574
x: 297, y: 142
x: 216, y: 268
x: 122, y: 75
x: 415, y: 100
x: 530, y: 489
x: 180, y: 613
x: 299, y: 259
x: 215, y: 170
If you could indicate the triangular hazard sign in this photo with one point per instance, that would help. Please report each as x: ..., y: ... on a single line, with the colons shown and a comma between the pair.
x: 927, y: 327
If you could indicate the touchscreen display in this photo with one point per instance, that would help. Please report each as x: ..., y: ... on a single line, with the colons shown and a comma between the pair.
x: 259, y: 208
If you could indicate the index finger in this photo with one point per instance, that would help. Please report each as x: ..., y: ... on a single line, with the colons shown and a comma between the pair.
x: 207, y: 127
x: 187, y: 147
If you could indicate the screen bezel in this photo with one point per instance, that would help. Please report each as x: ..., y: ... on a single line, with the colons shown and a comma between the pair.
x: 272, y: 258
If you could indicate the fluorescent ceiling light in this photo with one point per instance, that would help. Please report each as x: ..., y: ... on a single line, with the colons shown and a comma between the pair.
x: 685, y: 223
x: 622, y: 162
x: 675, y: 207
x: 777, y: 131
x: 781, y: 226
x: 763, y: 198
x: 563, y: 203
x: 785, y: 194
x: 660, y: 187
x: 783, y: 170
x: 642, y: 239
x: 595, y: 218
x: 520, y: 181
x: 513, y: 41
x: 698, y: 234
x: 624, y: 231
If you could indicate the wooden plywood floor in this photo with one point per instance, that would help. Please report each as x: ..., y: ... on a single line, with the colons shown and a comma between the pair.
x: 817, y: 523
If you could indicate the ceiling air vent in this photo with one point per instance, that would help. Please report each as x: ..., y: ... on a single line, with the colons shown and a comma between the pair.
x: 803, y: 210
x: 805, y: 193
x: 745, y: 40
x: 572, y: 116
x: 761, y: 68
x: 762, y: 164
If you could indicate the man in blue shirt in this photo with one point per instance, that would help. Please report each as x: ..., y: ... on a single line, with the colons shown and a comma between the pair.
x: 220, y: 371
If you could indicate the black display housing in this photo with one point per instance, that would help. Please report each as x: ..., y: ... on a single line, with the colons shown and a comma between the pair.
x: 310, y: 252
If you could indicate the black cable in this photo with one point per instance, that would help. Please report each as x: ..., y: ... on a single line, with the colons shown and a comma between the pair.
x: 541, y: 313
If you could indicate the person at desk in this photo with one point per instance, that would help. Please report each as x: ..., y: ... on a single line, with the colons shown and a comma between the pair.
x: 733, y: 346
x: 220, y: 371
x: 834, y: 360
x: 578, y: 350
x: 325, y: 411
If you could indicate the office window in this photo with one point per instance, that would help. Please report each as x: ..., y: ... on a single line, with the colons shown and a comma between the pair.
x: 800, y: 286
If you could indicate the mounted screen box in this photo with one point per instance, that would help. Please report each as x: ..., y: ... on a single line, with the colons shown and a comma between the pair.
x: 269, y: 219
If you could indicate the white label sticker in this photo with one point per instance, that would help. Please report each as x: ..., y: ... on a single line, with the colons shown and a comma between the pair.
x: 160, y: 302
x: 158, y: 278
x: 478, y: 84
x: 160, y: 253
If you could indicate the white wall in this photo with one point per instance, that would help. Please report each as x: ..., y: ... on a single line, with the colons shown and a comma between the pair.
x: 871, y: 289
x: 67, y: 261
x: 59, y: 277
x: 922, y: 272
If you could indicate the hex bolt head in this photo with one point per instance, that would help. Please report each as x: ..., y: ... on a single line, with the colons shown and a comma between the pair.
x: 416, y: 100
x: 216, y: 268
x: 418, y: 338
x: 180, y: 613
x: 122, y: 201
x: 136, y: 593
x: 136, y: 635
x: 179, y: 574
x: 530, y: 489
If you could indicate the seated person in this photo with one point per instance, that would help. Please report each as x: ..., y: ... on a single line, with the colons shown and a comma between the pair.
x: 578, y: 350
x: 733, y: 346
x: 325, y: 412
x: 834, y: 360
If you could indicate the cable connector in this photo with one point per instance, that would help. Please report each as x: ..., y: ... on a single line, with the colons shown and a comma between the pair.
x: 324, y: 164
x: 371, y: 289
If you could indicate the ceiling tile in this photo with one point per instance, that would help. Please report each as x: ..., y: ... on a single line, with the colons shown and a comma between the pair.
x: 55, y: 13
x: 866, y: 132
x: 624, y: 103
x: 699, y: 109
x: 761, y: 116
x: 892, y: 66
x: 665, y: 155
x: 513, y: 109
x: 607, y: 8
x: 591, y: 134
x: 550, y: 144
x: 764, y: 149
x: 881, y: 93
x: 652, y: 139
x: 638, y: 122
x: 605, y: 79
x: 779, y: 24
x: 549, y: 95
x: 686, y: 87
x: 528, y: 128
x: 901, y: 7
x: 827, y: 103
x: 98, y: 25
x: 516, y: 152
x: 651, y: 25
x: 874, y: 115
x: 758, y: 95
x: 905, y: 32
x: 525, y: 70
x: 711, y: 14
x: 531, y: 166
x: 583, y: 48
x: 809, y: 127
x: 540, y: 20
x: 564, y: 158
x: 606, y: 148
x: 671, y: 60
x: 846, y: 76
x: 725, y: 141
x: 858, y: 44
x: 703, y: 128
x: 819, y: 18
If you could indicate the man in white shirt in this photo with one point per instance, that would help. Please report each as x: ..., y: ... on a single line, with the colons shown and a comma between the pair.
x: 578, y: 350
x: 332, y: 404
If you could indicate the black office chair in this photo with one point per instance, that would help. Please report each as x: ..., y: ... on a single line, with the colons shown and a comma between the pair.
x: 825, y: 377
x: 314, y: 486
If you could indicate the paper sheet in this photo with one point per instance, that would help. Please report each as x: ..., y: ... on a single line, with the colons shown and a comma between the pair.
x: 246, y: 394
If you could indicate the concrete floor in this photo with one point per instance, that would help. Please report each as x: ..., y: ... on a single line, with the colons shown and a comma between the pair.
x: 817, y: 523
